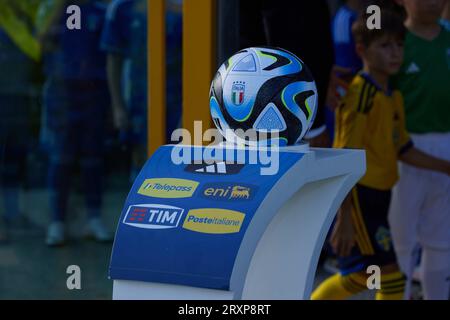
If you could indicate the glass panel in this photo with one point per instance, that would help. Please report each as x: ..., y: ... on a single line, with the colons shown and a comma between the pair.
x: 73, y: 116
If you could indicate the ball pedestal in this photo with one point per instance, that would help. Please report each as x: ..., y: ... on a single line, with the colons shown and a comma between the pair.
x: 259, y: 240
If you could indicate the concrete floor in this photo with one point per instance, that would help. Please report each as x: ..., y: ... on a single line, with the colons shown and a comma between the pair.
x: 31, y: 270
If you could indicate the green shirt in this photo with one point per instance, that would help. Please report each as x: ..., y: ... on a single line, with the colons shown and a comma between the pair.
x: 424, y: 80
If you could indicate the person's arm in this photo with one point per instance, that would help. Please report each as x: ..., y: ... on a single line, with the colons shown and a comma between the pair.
x: 340, y: 77
x: 408, y: 154
x: 351, y: 124
x: 114, y: 72
x: 342, y: 238
x: 115, y: 42
x: 351, y: 120
x: 422, y: 160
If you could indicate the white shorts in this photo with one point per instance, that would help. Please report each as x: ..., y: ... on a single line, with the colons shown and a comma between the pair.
x: 420, y: 207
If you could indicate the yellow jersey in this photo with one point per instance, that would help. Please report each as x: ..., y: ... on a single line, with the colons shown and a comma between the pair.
x: 370, y: 119
x: 17, y: 19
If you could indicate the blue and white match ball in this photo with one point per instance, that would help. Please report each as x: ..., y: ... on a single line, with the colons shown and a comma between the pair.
x: 264, y: 89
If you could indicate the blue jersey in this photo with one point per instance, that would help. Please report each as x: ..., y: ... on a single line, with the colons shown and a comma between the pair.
x: 344, y: 44
x: 77, y: 55
x: 446, y: 24
x: 125, y: 33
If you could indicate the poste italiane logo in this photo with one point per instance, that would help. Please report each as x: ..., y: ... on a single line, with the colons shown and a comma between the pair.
x: 168, y: 188
x: 214, y: 221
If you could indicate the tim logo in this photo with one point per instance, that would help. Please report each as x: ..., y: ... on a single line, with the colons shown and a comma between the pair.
x: 238, y: 92
x: 153, y: 216
x: 228, y: 191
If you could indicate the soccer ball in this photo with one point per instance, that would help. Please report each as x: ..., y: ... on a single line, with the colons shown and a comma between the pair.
x: 264, y: 89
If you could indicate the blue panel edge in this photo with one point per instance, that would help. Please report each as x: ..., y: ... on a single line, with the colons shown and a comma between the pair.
x: 170, y: 278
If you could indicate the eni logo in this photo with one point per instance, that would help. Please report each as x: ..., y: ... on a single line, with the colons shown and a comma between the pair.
x: 239, y: 192
x: 214, y: 221
x: 228, y: 191
x: 168, y: 188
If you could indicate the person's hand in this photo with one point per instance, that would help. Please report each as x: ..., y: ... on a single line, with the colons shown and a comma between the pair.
x: 120, y: 118
x: 343, y: 236
x: 320, y: 141
x: 338, y: 78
